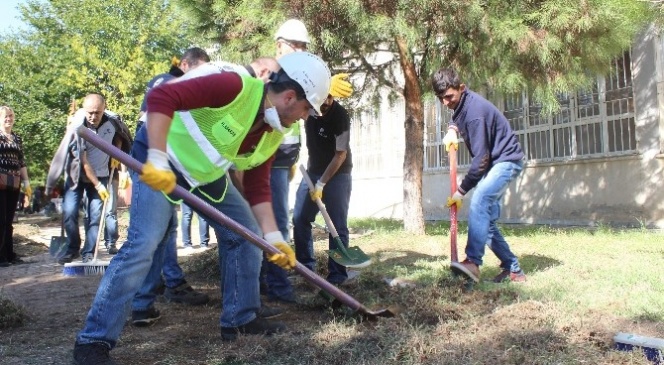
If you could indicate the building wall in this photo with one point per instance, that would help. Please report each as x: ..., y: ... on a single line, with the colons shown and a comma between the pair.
x: 620, y: 186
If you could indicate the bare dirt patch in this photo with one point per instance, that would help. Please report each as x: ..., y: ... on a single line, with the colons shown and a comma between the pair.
x: 440, y: 323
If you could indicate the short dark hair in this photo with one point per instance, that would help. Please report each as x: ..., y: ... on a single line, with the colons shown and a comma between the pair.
x: 280, y: 82
x: 195, y: 55
x: 444, y: 79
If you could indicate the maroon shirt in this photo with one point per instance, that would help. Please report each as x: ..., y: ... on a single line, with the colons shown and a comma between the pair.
x: 215, y: 91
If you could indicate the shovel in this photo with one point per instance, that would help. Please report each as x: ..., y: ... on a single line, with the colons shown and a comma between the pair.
x: 219, y: 217
x: 352, y: 257
x: 58, y: 246
x: 453, y: 209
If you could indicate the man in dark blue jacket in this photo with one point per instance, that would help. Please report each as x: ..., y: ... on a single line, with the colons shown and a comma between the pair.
x: 497, y: 159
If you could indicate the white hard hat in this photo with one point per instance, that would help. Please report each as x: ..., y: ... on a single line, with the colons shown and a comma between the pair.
x: 311, y: 72
x: 293, y: 30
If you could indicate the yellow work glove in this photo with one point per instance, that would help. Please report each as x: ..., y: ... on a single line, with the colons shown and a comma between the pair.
x: 340, y: 87
x: 285, y: 259
x: 27, y: 189
x: 123, y: 180
x: 291, y: 173
x: 101, y: 189
x: 457, y: 199
x: 317, y: 193
x: 115, y: 164
x: 451, y: 138
x: 157, y: 172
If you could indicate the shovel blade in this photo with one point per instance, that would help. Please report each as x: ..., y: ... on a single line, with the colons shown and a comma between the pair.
x: 58, y: 247
x: 354, y: 257
x: 363, y: 312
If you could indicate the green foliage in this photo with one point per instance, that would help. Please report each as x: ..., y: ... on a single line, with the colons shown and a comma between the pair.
x: 548, y: 46
x: 75, y: 47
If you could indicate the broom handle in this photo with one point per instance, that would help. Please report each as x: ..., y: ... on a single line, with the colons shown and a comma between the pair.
x: 321, y: 206
x: 102, y: 221
x: 201, y: 206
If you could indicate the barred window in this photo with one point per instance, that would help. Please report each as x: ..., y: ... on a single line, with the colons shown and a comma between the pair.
x: 595, y: 122
x: 377, y: 149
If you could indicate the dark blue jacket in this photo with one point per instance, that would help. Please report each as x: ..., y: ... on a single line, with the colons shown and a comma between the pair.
x: 487, y: 134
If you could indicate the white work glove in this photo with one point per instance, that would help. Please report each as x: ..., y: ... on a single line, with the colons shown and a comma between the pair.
x: 157, y: 172
x: 457, y: 199
x: 101, y: 189
x: 317, y: 193
x: 285, y: 259
x: 451, y: 138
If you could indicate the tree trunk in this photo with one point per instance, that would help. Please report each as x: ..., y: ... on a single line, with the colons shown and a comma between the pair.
x: 413, y: 163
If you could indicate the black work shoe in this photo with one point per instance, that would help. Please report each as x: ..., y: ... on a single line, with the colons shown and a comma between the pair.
x: 159, y: 290
x: 112, y: 250
x: 259, y: 326
x: 92, y: 354
x: 145, y: 318
x: 68, y: 257
x: 185, y: 294
x: 266, y: 312
x: 288, y: 298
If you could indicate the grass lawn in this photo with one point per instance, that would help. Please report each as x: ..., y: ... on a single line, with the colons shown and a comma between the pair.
x: 583, y: 287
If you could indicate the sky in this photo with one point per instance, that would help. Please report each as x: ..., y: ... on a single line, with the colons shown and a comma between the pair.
x: 10, y: 14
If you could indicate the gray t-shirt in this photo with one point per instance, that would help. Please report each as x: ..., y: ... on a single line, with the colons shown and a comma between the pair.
x: 97, y: 158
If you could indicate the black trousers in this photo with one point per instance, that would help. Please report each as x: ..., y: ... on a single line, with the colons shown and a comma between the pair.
x: 8, y: 202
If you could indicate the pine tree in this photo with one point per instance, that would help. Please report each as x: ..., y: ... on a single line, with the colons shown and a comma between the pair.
x: 547, y: 46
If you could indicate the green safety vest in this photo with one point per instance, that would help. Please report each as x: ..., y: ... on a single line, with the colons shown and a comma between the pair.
x: 203, y: 143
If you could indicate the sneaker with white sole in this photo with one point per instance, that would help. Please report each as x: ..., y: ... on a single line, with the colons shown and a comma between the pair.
x: 145, y: 318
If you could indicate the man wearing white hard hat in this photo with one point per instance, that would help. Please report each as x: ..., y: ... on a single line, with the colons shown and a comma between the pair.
x: 196, y: 129
x: 292, y: 36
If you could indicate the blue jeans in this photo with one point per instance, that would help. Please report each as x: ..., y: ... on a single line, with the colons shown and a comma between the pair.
x: 336, y: 197
x: 485, y: 211
x: 276, y: 278
x: 70, y: 210
x: 111, y: 234
x: 140, y: 260
x: 203, y: 226
x: 174, y: 276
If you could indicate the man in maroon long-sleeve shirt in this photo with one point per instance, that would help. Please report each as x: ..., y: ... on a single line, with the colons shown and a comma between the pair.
x: 196, y: 129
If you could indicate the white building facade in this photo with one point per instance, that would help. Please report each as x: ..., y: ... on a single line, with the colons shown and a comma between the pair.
x: 598, y: 161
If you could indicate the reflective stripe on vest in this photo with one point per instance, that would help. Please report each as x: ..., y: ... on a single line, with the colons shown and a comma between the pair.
x: 203, y: 143
x: 292, y: 134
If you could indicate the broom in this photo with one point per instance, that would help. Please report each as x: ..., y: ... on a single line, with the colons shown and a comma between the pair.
x: 94, y: 267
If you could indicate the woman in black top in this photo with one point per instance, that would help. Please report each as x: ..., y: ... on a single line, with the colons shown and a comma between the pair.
x: 13, y: 174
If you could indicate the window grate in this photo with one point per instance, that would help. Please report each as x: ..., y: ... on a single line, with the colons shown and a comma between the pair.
x: 596, y: 122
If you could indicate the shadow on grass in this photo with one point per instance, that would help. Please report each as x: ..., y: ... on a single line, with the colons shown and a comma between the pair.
x: 649, y: 316
x: 534, y: 263
x: 509, y: 230
x: 405, y: 258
